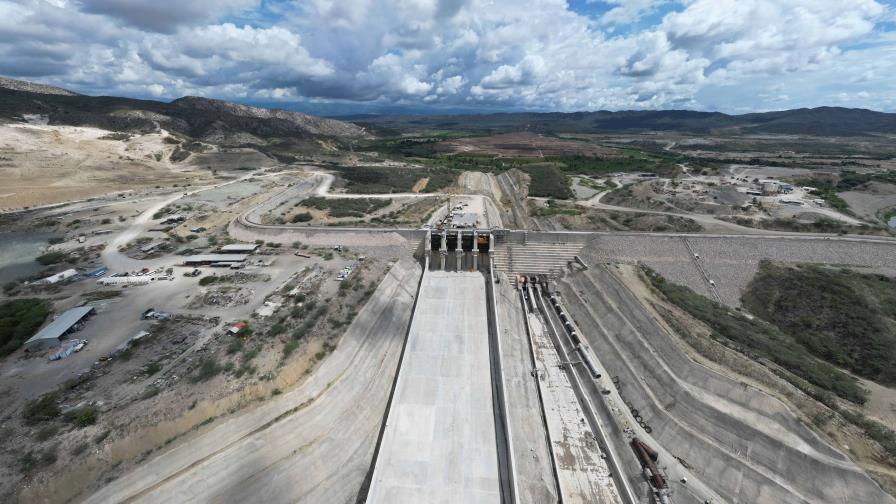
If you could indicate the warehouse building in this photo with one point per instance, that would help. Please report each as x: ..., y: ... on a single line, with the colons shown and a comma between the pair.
x: 58, y: 277
x: 239, y: 248
x: 206, y: 259
x: 55, y: 331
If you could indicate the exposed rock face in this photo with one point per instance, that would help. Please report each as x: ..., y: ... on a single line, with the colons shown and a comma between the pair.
x: 209, y: 120
x: 278, y: 118
x: 32, y: 87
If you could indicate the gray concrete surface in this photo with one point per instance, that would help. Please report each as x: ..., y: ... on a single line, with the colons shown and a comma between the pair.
x: 582, y: 472
x: 732, y: 261
x: 439, y: 442
x: 742, y: 443
x: 534, y: 474
x: 311, y: 444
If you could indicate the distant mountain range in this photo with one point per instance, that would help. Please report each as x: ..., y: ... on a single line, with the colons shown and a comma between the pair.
x: 205, y: 119
x: 821, y: 121
x: 233, y: 124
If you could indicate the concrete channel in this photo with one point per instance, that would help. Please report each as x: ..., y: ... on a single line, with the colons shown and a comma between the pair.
x: 736, y: 442
x: 439, y: 443
x: 617, y: 483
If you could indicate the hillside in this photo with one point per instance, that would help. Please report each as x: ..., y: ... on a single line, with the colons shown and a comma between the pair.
x: 822, y: 121
x: 844, y: 317
x: 205, y: 119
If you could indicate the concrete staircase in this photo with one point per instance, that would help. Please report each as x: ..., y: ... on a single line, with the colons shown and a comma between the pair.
x: 534, y: 258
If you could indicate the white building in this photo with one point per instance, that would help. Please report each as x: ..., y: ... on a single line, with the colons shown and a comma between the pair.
x: 58, y: 277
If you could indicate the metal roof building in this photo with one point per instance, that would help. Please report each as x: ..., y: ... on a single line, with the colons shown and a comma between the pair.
x: 214, y: 258
x: 50, y: 335
x: 58, y: 277
x: 239, y: 248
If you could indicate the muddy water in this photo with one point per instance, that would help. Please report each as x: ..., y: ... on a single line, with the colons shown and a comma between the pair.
x: 17, y: 253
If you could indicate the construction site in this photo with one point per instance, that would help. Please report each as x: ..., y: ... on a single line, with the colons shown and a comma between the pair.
x: 493, y: 365
x: 383, y: 332
x: 453, y: 361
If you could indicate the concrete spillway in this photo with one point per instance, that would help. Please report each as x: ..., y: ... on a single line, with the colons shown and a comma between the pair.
x: 439, y: 442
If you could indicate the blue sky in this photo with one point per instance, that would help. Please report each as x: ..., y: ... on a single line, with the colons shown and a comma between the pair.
x: 446, y: 56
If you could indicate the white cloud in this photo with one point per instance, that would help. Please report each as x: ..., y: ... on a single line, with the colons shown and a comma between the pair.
x: 165, y: 15
x: 536, y: 54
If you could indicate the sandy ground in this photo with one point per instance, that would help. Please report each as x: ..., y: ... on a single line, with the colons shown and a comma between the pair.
x: 44, y: 164
x: 312, y: 443
x: 872, y: 200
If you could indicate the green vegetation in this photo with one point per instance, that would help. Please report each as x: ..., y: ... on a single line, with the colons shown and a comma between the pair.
x: 889, y: 214
x: 374, y: 180
x: 210, y: 279
x: 828, y: 186
x: 46, y: 432
x: 19, y: 320
x: 289, y: 348
x: 150, y: 392
x: 152, y: 368
x: 552, y: 208
x: 760, y: 340
x: 547, y: 181
x: 31, y: 460
x: 208, y: 368
x: 44, y: 408
x: 346, y: 207
x: 102, y: 294
x: 844, y: 317
x: 55, y: 240
x: 301, y: 217
x: 83, y: 416
x: 634, y: 161
x: 822, y: 225
x: 49, y: 258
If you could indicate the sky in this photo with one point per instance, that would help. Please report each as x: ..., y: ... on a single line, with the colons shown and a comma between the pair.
x: 448, y: 56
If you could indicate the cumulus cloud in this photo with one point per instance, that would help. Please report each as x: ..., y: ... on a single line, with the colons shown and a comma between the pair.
x: 533, y: 54
x: 165, y: 15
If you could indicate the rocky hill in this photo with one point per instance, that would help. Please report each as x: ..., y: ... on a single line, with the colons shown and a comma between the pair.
x: 32, y: 87
x: 209, y: 120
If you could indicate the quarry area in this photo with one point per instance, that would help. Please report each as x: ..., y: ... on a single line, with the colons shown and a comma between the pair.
x: 507, y: 318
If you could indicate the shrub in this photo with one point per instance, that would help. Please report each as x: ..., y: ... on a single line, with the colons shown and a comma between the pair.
x: 756, y: 338
x: 208, y: 280
x: 151, y: 391
x: 49, y: 258
x: 83, y: 416
x: 301, y: 217
x: 46, y: 432
x: 208, y: 368
x: 290, y: 347
x: 841, y: 316
x: 42, y: 409
x: 152, y: 368
x: 19, y: 320
x: 234, y: 346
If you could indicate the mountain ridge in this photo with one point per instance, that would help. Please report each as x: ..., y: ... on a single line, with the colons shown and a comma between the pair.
x: 223, y: 121
x: 201, y: 118
x: 818, y: 121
